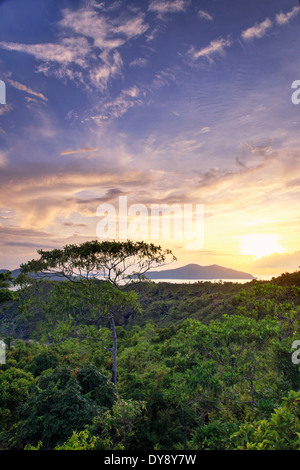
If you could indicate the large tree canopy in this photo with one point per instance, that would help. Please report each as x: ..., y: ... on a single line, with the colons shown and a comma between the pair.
x: 96, y: 275
x: 116, y: 261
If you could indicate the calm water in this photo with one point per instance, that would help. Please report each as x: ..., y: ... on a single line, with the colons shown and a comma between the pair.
x: 192, y: 281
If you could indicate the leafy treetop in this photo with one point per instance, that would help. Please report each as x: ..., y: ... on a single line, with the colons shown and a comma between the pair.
x: 115, y: 261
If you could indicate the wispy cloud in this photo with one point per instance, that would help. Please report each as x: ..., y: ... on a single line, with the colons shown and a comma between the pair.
x: 204, y: 15
x: 284, y: 18
x: 5, y: 108
x: 20, y: 86
x: 72, y: 224
x: 139, y: 62
x: 115, y: 108
x: 216, y: 46
x: 257, y: 31
x: 106, y: 33
x: 80, y: 150
x: 67, y: 51
x: 103, y: 7
x: 163, y: 78
x: 87, y: 49
x: 111, y: 66
x: 167, y: 6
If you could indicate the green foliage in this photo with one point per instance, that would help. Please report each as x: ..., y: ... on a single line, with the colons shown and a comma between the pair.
x: 37, y: 447
x: 116, y: 427
x: 60, y: 403
x: 5, y: 279
x: 203, y: 366
x: 5, y: 282
x: 277, y: 301
x: 216, y: 435
x: 280, y: 432
x: 96, y: 386
x: 6, y: 295
x: 110, y: 259
x: 81, y: 298
x: 45, y: 360
x: 15, y: 385
x: 82, y: 440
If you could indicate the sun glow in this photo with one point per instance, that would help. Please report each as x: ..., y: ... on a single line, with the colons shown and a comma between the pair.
x: 260, y: 245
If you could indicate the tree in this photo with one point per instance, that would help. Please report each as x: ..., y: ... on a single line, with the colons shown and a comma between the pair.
x: 62, y: 401
x: 15, y: 385
x: 96, y: 276
x: 5, y: 279
x: 5, y: 282
x: 280, y: 432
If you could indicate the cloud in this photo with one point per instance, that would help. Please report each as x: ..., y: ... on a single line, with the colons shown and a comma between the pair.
x: 3, y: 159
x: 204, y: 130
x: 204, y: 15
x: 257, y: 31
x: 284, y: 18
x: 23, y: 244
x: 49, y: 191
x: 111, y: 66
x: 69, y: 50
x: 106, y: 8
x: 5, y: 213
x: 20, y: 86
x: 106, y: 33
x: 115, y: 108
x: 284, y: 261
x: 167, y: 6
x: 18, y: 245
x: 80, y: 150
x: 109, y: 196
x: 86, y: 49
x: 72, y: 224
x: 5, y: 108
x: 216, y: 46
x: 264, y: 149
x: 163, y: 78
x: 139, y: 62
x: 13, y: 232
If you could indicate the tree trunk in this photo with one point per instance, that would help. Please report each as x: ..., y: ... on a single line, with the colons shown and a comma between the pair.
x: 114, y: 350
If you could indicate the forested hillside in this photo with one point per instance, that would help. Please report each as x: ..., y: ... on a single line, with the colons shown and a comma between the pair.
x: 200, y: 366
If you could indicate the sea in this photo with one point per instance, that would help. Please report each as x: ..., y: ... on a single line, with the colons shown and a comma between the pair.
x: 193, y: 281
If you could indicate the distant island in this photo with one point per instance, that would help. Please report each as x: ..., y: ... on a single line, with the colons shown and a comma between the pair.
x: 195, y: 271
x: 190, y: 271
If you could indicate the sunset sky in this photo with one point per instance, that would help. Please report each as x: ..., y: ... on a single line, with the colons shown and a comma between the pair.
x: 162, y: 101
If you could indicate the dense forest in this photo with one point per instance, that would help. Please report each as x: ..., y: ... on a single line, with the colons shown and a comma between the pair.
x: 200, y: 366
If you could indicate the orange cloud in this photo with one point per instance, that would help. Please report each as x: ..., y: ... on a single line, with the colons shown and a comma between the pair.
x: 80, y: 150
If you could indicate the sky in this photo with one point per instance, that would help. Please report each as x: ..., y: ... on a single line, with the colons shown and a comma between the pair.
x: 174, y: 102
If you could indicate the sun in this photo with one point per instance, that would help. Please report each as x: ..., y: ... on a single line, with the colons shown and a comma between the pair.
x: 260, y: 245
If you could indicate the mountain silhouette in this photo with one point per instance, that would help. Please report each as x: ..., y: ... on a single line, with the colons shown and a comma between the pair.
x: 190, y: 271
x: 195, y: 271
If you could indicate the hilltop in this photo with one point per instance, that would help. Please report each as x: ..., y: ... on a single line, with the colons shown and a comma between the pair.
x: 195, y: 271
